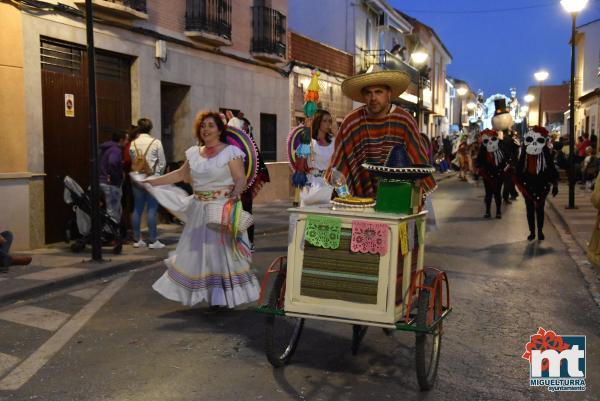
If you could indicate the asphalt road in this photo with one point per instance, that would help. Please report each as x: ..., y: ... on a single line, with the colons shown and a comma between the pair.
x: 118, y: 340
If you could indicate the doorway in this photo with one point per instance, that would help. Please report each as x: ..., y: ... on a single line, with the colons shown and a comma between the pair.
x: 66, y: 122
x: 268, y: 137
x: 176, y: 131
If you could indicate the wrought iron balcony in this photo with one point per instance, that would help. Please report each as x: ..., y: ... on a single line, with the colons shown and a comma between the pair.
x: 388, y: 61
x: 129, y: 9
x: 209, y: 21
x: 268, y: 34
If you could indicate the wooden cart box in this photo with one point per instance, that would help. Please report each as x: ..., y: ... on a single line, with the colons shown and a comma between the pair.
x: 340, y: 285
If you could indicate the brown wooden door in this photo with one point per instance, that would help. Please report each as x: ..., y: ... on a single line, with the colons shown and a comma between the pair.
x: 66, y: 138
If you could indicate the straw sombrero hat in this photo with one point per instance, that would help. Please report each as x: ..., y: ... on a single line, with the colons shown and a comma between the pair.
x: 397, y: 81
x: 398, y: 167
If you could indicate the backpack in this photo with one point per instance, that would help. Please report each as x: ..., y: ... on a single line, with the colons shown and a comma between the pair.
x: 140, y: 164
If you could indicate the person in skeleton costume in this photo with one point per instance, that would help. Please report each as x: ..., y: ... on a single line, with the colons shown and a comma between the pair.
x: 535, y: 175
x: 491, y: 163
x: 502, y: 121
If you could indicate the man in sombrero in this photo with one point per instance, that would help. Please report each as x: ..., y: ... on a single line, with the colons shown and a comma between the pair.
x: 369, y: 132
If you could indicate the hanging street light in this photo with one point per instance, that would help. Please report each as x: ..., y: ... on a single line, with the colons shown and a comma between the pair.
x: 573, y: 7
x: 541, y: 76
x: 528, y: 98
x: 462, y: 90
x: 418, y: 57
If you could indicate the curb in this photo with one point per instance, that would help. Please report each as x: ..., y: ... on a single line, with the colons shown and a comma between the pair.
x: 58, y: 284
x: 587, y: 270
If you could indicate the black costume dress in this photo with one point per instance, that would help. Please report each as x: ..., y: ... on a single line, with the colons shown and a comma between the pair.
x: 510, y: 148
x: 491, y: 169
x: 535, y: 176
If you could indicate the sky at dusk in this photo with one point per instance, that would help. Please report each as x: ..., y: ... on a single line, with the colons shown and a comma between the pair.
x: 495, y: 50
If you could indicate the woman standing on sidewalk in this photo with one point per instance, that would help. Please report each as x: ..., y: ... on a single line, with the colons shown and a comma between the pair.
x: 205, y: 266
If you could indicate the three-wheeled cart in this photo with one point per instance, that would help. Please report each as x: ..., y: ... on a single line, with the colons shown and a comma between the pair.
x: 391, y: 290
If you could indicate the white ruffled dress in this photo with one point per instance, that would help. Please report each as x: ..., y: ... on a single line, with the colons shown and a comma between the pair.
x: 204, y: 267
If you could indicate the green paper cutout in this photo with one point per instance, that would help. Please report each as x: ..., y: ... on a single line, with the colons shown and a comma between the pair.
x: 323, y: 231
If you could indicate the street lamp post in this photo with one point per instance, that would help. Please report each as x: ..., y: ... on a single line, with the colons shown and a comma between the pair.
x: 541, y: 76
x: 418, y: 57
x: 95, y: 176
x: 572, y: 7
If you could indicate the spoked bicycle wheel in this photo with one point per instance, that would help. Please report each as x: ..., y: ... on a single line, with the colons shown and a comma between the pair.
x: 428, y: 346
x: 282, y: 333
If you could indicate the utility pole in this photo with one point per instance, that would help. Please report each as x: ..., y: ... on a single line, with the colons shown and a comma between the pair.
x: 95, y: 176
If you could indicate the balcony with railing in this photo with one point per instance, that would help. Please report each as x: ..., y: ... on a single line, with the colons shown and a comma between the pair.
x: 209, y: 21
x: 127, y: 9
x: 268, y: 34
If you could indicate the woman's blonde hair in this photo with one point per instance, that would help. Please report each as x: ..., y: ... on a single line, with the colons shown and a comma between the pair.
x: 203, y: 115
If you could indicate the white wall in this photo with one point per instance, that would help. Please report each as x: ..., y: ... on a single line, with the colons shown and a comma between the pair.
x: 591, y: 80
x: 326, y: 21
x: 215, y: 81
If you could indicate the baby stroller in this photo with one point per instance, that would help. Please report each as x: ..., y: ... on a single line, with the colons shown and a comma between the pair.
x: 79, y: 227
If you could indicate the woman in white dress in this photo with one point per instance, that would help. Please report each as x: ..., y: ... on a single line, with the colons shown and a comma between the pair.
x: 204, y: 266
x: 322, y: 144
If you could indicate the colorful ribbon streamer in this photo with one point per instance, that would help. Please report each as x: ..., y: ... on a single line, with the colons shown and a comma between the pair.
x: 403, y: 235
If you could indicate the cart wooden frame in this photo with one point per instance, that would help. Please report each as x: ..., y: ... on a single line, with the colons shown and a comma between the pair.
x: 409, y: 296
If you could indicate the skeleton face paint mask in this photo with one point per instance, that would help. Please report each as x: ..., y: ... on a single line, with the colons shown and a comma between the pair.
x: 490, y: 143
x: 534, y: 143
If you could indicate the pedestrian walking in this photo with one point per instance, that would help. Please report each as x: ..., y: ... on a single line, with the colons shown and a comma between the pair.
x: 111, y: 174
x: 148, y: 158
x: 502, y: 122
x: 491, y: 162
x: 208, y: 265
x: 463, y: 159
x: 535, y: 175
x: 589, y: 168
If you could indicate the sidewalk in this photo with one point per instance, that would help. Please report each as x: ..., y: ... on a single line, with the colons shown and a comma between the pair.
x: 575, y: 228
x: 580, y: 221
x: 56, y: 267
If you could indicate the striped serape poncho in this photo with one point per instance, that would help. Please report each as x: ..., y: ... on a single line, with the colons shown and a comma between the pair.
x: 362, y: 139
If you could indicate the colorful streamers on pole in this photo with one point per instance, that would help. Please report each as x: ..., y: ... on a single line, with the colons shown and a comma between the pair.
x: 311, y: 97
x: 303, y: 151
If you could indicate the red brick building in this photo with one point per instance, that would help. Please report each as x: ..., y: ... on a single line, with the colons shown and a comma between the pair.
x: 335, y: 65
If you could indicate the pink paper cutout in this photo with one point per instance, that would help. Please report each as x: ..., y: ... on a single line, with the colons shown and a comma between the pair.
x: 369, y: 237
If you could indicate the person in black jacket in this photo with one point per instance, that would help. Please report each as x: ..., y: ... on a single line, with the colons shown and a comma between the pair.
x: 491, y: 163
x: 502, y: 121
x: 536, y: 174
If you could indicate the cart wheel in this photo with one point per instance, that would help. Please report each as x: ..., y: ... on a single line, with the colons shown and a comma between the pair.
x: 118, y: 248
x: 427, y: 346
x: 358, y: 333
x: 282, y: 332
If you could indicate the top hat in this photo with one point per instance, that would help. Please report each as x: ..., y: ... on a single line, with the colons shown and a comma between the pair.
x: 500, y: 106
x: 398, y: 166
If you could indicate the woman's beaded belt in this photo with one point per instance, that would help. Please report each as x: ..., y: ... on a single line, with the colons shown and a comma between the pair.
x: 212, y: 195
